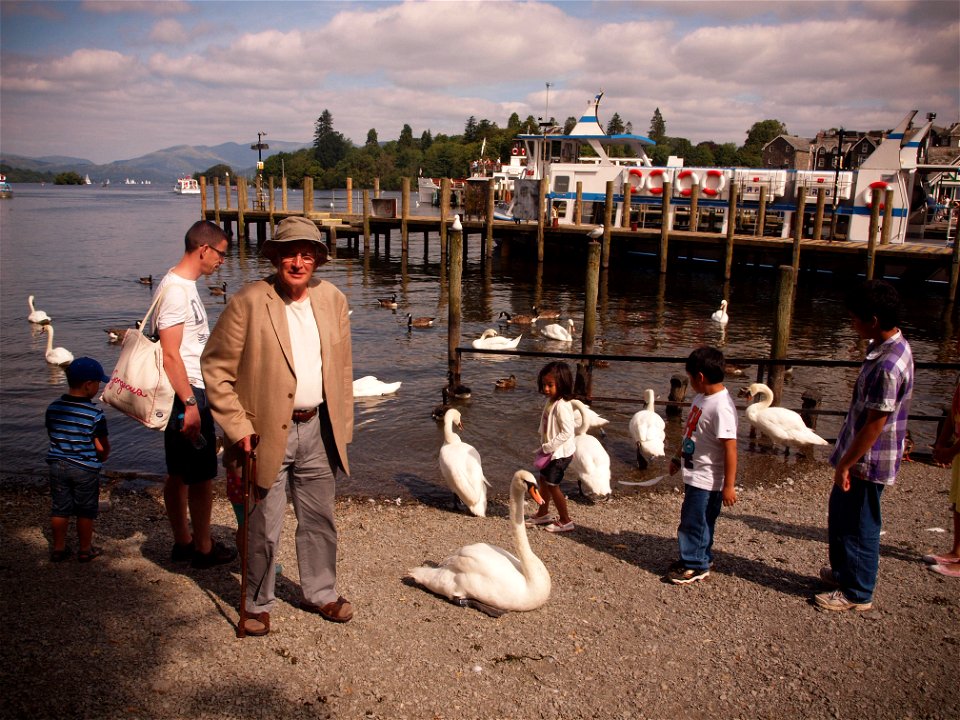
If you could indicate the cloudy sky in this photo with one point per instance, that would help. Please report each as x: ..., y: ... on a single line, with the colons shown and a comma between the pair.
x: 110, y: 80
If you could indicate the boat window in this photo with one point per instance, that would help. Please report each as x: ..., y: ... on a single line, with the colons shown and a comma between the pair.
x: 561, y: 183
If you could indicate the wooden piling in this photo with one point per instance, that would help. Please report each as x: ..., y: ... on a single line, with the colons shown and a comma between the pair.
x: 283, y: 193
x: 781, y: 329
x: 627, y: 202
x: 454, y: 309
x: 203, y: 197
x: 366, y: 221
x: 226, y: 187
x: 578, y: 208
x: 444, y: 215
x: 272, y: 195
x: 349, y: 196
x: 307, y: 195
x: 887, y: 226
x: 216, y: 200
x: 491, y: 203
x: 376, y: 187
x: 404, y: 215
x: 332, y: 240
x: 954, y: 271
x: 541, y: 199
x: 798, y: 227
x: 665, y: 225
x: 695, y: 207
x: 872, y: 232
x: 731, y: 228
x: 241, y: 208
x: 818, y: 217
x: 584, y: 383
x: 607, y: 223
x: 761, y: 212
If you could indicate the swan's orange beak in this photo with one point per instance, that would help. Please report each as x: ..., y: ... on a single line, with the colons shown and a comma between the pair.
x: 535, y: 494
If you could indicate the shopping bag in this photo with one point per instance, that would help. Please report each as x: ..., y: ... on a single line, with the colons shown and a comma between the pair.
x: 541, y: 460
x: 139, y: 386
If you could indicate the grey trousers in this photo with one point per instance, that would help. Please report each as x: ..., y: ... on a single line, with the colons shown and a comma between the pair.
x: 311, y: 479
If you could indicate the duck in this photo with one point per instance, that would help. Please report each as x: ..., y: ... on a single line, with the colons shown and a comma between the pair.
x: 220, y: 289
x: 38, y: 317
x: 440, y: 410
x: 419, y: 322
x: 459, y: 391
x: 734, y: 369
x: 148, y: 280
x: 544, y: 314
x: 370, y: 386
x: 516, y: 319
x: 720, y: 315
x: 507, y: 383
x: 56, y: 355
x: 782, y: 425
x: 491, y: 340
x: 461, y: 468
x: 648, y: 431
x: 559, y: 332
x: 115, y: 335
x: 489, y: 577
x: 584, y: 414
x: 591, y: 463
x: 390, y: 302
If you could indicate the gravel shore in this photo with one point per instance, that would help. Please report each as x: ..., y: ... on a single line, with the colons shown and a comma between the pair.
x: 131, y: 636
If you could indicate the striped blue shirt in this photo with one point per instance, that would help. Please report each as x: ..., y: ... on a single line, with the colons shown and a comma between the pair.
x: 885, y: 384
x: 72, y: 424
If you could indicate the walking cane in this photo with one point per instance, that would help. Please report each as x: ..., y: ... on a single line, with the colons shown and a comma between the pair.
x: 248, y: 479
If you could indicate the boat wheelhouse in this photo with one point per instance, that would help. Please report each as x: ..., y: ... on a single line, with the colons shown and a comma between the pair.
x: 187, y: 186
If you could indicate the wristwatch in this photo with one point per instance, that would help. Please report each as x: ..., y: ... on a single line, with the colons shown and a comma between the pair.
x: 192, y: 400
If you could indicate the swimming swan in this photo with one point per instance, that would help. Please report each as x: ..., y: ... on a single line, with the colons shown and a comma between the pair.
x: 559, y: 332
x: 489, y: 574
x: 56, y: 355
x: 36, y: 316
x: 591, y: 463
x: 781, y: 425
x: 369, y: 386
x: 648, y: 431
x: 460, y: 466
x: 490, y: 340
x: 720, y: 315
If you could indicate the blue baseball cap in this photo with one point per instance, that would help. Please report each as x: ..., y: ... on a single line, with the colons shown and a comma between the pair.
x: 85, y: 368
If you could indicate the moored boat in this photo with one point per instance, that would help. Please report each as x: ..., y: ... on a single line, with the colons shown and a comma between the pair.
x: 5, y: 190
x: 187, y: 186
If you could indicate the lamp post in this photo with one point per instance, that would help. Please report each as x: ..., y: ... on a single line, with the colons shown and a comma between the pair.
x: 260, y: 147
x: 836, y: 182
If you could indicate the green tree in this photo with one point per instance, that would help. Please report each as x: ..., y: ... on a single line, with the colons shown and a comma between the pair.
x: 218, y: 171
x: 615, y: 126
x: 426, y: 140
x: 372, y: 140
x: 725, y: 155
x: 406, y: 137
x: 329, y: 146
x: 470, y: 133
x: 68, y: 178
x: 759, y: 134
x: 658, y: 127
x: 569, y: 124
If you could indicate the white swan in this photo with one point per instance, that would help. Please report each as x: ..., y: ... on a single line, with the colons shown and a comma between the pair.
x: 648, y: 431
x: 58, y: 355
x: 489, y: 574
x: 36, y: 316
x: 720, y: 315
x: 460, y: 466
x: 369, y: 386
x: 591, y: 463
x: 491, y: 340
x: 781, y: 425
x: 559, y: 332
x: 592, y: 417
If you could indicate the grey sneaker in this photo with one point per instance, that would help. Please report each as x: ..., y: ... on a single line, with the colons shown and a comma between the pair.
x: 685, y: 576
x: 836, y: 601
x: 827, y: 577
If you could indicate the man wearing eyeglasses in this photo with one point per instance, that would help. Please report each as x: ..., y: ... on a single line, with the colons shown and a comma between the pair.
x: 189, y: 440
x: 279, y: 365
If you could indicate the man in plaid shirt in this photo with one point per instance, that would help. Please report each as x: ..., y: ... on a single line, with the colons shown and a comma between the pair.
x: 869, y: 449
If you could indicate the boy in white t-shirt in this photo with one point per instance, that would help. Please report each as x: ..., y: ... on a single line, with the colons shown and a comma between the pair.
x: 708, y: 458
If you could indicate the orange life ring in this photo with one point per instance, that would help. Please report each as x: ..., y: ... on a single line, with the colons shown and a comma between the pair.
x: 635, y: 185
x: 685, y: 189
x: 711, y: 188
x: 868, y: 193
x: 655, y: 174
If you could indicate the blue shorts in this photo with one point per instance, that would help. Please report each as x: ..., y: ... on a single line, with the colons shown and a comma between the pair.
x: 552, y: 474
x: 74, y: 490
x: 185, y: 461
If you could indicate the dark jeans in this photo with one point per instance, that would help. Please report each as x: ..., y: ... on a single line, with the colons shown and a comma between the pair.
x: 698, y: 516
x: 853, y: 528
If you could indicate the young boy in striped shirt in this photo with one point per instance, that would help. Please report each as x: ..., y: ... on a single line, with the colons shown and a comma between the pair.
x: 78, y: 447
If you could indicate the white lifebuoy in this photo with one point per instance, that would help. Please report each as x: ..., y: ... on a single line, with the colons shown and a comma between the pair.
x: 714, y: 183
x: 655, y: 181
x: 686, y: 179
x: 635, y: 180
x: 868, y: 193
x: 515, y: 151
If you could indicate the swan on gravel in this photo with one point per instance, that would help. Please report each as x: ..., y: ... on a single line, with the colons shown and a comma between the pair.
x: 460, y: 466
x: 648, y: 431
x: 491, y: 340
x: 36, y: 316
x: 369, y: 386
x: 559, y: 332
x: 781, y: 425
x: 489, y: 577
x: 56, y: 355
x: 591, y: 463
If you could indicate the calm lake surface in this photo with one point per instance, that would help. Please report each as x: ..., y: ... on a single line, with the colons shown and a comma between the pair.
x: 81, y: 250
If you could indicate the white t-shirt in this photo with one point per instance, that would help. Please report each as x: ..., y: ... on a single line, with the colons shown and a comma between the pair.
x: 712, y: 418
x: 307, y: 361
x: 181, y: 305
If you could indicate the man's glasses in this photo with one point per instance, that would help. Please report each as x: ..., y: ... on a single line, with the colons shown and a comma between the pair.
x: 221, y: 253
x: 308, y: 257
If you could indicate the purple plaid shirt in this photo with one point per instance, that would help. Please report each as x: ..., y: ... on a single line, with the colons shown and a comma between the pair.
x: 885, y: 384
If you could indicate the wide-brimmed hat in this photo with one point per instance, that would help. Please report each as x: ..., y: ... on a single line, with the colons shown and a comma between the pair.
x: 291, y: 229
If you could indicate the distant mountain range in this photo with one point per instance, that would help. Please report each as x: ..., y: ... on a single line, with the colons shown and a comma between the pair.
x: 160, y: 166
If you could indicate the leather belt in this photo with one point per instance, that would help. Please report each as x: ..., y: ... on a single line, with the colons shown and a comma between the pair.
x: 302, y: 416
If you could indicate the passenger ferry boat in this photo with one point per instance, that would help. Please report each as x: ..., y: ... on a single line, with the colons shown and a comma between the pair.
x: 557, y: 158
x: 5, y: 190
x: 187, y: 186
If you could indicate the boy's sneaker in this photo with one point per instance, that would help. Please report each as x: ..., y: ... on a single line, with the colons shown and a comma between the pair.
x: 684, y: 576
x: 181, y: 553
x: 827, y: 577
x: 836, y: 601
x: 219, y: 554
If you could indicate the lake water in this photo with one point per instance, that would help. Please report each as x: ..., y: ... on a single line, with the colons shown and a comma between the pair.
x: 81, y: 250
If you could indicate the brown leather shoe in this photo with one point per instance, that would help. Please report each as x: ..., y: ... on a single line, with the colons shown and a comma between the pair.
x: 339, y: 611
x: 257, y: 624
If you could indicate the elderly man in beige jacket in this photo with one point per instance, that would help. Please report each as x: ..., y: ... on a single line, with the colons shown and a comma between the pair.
x: 279, y: 365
